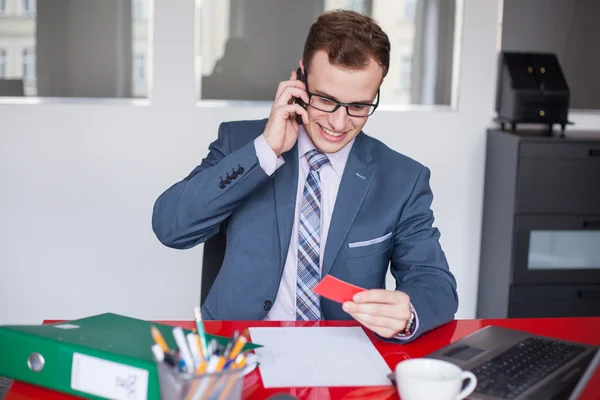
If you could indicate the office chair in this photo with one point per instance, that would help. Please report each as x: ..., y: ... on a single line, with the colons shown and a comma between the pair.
x: 212, y: 259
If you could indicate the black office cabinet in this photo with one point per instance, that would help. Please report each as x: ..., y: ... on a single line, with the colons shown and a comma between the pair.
x: 540, y: 244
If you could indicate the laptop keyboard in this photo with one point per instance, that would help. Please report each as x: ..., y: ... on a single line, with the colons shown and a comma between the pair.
x: 517, y: 369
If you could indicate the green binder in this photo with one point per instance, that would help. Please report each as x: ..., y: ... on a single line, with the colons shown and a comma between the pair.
x: 102, y: 356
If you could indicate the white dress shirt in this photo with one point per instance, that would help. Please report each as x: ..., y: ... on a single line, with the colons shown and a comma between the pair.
x: 284, y: 307
x: 330, y: 174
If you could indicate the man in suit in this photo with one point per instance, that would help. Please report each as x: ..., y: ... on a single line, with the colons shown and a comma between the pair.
x: 303, y: 200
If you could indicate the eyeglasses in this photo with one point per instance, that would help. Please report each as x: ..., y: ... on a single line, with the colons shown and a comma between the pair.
x: 327, y: 104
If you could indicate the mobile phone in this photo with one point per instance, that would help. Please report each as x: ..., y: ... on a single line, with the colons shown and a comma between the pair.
x: 300, y: 77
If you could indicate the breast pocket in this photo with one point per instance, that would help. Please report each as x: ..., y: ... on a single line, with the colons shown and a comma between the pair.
x: 370, y: 247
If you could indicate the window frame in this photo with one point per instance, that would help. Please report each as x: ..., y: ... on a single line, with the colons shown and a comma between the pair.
x: 3, y: 62
x: 28, y: 54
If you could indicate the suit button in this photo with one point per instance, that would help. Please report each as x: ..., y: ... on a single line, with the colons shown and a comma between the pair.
x: 267, y: 306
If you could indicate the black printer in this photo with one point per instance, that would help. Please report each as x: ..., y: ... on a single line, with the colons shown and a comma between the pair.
x: 531, y: 88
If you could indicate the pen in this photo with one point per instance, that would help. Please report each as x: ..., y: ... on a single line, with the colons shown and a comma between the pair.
x: 240, y: 362
x: 228, y: 386
x: 161, y: 356
x: 194, y: 349
x: 199, y: 345
x: 218, y: 364
x: 201, y: 385
x: 201, y: 333
x: 158, y: 338
x: 186, y: 356
x: 230, y: 344
x: 213, y: 348
x: 237, y: 347
x: 183, y: 367
x: 235, y: 351
x: 170, y: 359
x: 202, y: 366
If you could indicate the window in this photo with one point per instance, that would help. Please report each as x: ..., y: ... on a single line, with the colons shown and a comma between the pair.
x: 410, y: 10
x: 361, y: 6
x: 3, y: 66
x: 2, y: 7
x: 242, y: 55
x: 78, y: 48
x: 29, y: 7
x: 139, y: 75
x: 29, y: 71
x: 139, y: 69
x: 405, y: 73
x: 139, y: 10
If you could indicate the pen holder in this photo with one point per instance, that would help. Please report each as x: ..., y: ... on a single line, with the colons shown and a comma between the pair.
x: 175, y: 385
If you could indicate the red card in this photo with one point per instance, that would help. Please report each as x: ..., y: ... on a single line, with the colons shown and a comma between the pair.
x: 336, y: 289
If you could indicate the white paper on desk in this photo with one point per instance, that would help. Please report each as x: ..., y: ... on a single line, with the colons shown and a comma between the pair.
x: 313, y: 356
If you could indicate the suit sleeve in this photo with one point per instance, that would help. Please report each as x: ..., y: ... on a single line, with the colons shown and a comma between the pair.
x: 419, y: 264
x: 191, y: 211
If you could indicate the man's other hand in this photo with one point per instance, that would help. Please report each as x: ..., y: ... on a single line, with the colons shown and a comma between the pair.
x: 385, y: 312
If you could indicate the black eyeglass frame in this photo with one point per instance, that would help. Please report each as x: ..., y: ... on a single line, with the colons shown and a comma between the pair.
x: 339, y: 104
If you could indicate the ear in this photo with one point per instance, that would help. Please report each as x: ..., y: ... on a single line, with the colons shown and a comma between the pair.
x: 301, y: 64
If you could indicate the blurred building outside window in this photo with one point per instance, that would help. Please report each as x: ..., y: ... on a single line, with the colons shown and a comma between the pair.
x: 76, y: 48
x: 243, y: 51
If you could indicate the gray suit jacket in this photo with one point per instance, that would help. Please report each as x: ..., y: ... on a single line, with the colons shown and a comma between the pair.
x: 383, y: 195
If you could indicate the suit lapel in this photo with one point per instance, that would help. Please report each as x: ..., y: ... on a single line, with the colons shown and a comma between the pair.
x: 355, y: 183
x: 286, y: 185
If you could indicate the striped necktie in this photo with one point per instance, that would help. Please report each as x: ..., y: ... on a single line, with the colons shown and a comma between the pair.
x: 309, y: 241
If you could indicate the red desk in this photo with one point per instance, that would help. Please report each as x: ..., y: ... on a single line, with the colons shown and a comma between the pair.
x: 585, y: 330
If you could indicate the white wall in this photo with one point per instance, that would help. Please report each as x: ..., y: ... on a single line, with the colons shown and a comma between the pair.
x: 78, y: 181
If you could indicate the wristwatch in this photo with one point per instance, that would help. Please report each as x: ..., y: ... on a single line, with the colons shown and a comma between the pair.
x: 410, y: 325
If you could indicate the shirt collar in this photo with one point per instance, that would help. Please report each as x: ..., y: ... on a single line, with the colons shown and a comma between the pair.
x: 338, y: 160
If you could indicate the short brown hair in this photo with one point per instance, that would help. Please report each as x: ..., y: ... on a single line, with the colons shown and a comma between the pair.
x: 349, y: 38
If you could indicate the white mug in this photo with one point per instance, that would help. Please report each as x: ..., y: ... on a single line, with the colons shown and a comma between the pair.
x: 426, y: 379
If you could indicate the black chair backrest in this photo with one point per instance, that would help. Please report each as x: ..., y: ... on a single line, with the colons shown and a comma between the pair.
x: 212, y: 259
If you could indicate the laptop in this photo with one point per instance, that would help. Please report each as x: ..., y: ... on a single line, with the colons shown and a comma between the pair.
x: 516, y: 365
x: 592, y: 373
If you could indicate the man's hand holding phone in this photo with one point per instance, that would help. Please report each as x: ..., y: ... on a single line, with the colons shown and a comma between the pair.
x: 281, y: 131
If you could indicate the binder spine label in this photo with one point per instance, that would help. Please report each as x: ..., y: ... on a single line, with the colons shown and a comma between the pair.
x: 66, y: 326
x: 108, y: 379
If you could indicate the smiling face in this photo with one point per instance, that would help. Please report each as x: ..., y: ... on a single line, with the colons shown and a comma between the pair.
x: 330, y: 132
